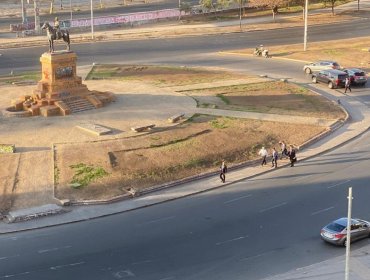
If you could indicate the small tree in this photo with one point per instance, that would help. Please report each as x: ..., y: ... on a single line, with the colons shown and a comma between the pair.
x: 206, y: 4
x: 332, y: 4
x: 185, y: 7
x: 272, y: 4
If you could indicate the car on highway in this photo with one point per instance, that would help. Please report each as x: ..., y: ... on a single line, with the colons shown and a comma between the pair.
x: 333, y: 78
x: 357, y: 76
x: 336, y: 231
x: 320, y: 65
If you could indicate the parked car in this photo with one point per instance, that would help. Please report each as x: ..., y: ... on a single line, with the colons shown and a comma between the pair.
x: 357, y: 76
x: 333, y: 78
x: 336, y: 232
x: 320, y: 65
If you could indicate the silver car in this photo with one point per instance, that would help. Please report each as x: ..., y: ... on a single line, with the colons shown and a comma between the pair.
x: 336, y: 232
x: 320, y: 65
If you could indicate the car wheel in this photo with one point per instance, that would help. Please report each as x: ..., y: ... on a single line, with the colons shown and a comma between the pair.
x: 330, y: 85
x: 314, y: 79
x: 308, y: 71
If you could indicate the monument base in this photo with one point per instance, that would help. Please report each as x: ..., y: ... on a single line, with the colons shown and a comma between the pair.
x: 60, y: 91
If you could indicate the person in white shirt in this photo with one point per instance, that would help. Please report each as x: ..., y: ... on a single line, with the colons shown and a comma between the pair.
x: 263, y: 153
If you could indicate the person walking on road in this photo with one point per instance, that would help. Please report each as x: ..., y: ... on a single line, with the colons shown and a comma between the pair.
x: 292, y: 156
x: 347, y: 85
x: 223, y: 170
x: 275, y: 157
x: 284, y: 151
x: 263, y: 153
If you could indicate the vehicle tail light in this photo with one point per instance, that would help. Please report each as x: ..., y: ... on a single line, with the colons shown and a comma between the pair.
x: 339, y: 235
x: 337, y: 82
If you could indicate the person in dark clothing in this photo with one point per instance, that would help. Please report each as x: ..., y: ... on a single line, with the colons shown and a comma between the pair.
x: 292, y: 156
x: 223, y: 170
x: 347, y: 85
x: 275, y: 157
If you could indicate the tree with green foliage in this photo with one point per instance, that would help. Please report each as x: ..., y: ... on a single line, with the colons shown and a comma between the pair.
x: 272, y: 4
x: 206, y: 4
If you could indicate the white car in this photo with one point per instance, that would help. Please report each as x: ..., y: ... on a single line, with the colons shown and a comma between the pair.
x: 320, y: 65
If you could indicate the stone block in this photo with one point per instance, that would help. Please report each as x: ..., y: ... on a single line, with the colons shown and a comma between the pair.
x: 18, y: 104
x: 49, y: 111
x: 94, y: 101
x: 35, y: 110
x: 64, y: 109
x: 94, y: 128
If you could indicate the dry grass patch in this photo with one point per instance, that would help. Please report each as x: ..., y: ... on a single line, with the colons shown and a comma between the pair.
x: 347, y: 52
x: 194, y: 147
x: 160, y: 75
x: 273, y: 97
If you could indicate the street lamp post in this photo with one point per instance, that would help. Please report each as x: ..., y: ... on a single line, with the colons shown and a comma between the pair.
x: 92, y: 20
x: 348, y: 238
x: 70, y: 8
x: 305, y: 25
x: 24, y: 15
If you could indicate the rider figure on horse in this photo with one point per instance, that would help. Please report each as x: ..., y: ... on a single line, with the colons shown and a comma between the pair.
x: 58, y: 34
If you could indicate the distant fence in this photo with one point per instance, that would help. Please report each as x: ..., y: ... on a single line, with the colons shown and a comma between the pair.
x: 106, y: 20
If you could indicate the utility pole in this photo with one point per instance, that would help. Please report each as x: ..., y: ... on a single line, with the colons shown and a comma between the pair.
x: 92, y: 20
x: 37, y: 16
x: 179, y: 9
x: 24, y: 13
x: 305, y: 25
x: 348, y: 238
x: 240, y: 14
x: 70, y: 8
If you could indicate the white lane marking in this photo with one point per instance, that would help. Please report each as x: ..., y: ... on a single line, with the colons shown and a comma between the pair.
x: 53, y: 249
x: 257, y: 256
x: 157, y: 220
x: 123, y: 274
x: 338, y: 184
x: 231, y: 240
x: 273, y: 207
x: 323, y: 210
x: 141, y: 262
x: 65, y: 265
x: 9, y: 257
x: 12, y: 275
x: 238, y: 198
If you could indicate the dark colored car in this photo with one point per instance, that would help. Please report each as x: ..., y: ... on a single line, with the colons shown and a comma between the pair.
x: 320, y: 65
x: 357, y: 76
x: 333, y: 78
x: 336, y: 232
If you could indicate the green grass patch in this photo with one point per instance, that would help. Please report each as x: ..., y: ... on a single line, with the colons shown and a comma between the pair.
x: 21, y: 77
x: 220, y: 123
x: 223, y: 98
x: 7, y: 148
x: 85, y: 174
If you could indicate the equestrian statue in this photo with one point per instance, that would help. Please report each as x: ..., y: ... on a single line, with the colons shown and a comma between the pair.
x: 55, y: 33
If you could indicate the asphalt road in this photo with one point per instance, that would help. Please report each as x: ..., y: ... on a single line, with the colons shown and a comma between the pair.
x: 188, y: 50
x: 248, y: 230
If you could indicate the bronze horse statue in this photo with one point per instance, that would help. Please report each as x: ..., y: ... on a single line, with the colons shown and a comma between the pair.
x: 54, y: 34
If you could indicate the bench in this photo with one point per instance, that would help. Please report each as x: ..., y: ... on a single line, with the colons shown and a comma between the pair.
x: 175, y: 118
x: 142, y: 128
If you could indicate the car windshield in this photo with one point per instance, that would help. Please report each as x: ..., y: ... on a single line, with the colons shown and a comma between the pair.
x: 335, y: 227
x: 341, y: 77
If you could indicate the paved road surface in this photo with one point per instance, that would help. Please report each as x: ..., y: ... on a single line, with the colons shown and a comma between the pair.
x: 255, y: 228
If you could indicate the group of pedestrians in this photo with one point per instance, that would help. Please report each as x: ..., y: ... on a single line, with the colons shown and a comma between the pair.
x: 285, y: 153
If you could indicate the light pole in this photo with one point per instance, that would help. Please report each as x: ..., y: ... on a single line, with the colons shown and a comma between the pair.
x: 348, y: 238
x: 70, y: 8
x: 305, y: 25
x: 24, y: 15
x: 240, y: 14
x: 92, y: 20
x: 179, y: 9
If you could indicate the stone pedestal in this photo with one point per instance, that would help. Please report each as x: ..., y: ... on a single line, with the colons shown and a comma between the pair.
x: 60, y: 91
x: 59, y: 76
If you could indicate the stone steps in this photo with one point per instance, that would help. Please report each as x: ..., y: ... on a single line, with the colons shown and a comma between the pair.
x: 77, y: 104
